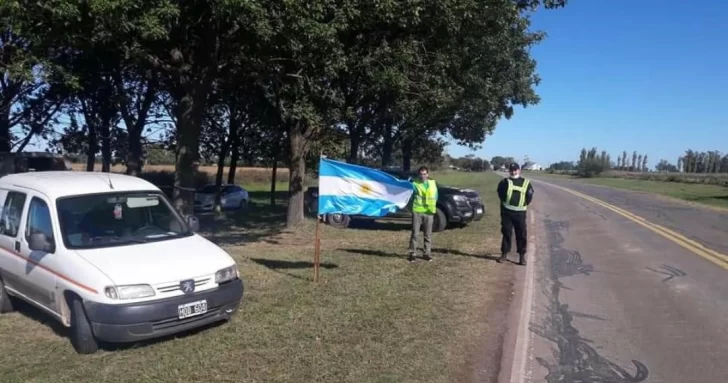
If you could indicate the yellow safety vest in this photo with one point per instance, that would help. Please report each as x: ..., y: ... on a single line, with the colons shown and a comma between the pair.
x: 425, y: 201
x: 509, y: 194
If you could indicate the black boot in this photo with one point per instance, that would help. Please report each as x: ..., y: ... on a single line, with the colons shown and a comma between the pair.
x: 522, y: 259
x: 502, y: 258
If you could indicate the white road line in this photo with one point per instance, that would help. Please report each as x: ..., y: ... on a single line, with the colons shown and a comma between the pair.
x: 518, y: 370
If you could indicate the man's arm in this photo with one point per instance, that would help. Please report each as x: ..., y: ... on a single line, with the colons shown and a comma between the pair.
x: 502, y: 189
x: 529, y: 194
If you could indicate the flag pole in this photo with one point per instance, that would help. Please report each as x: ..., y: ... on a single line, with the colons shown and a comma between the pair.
x: 317, y: 240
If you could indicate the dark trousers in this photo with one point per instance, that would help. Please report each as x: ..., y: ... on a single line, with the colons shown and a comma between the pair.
x: 511, y: 220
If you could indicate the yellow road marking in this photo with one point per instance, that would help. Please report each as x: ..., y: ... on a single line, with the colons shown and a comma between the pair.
x: 695, y: 247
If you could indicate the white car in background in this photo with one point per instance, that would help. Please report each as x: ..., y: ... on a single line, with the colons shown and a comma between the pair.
x: 233, y: 197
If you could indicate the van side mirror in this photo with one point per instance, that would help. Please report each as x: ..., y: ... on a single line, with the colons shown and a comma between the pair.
x: 40, y: 242
x: 193, y: 223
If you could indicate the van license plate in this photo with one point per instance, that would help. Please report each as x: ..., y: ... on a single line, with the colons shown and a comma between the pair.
x: 478, y: 211
x: 192, y: 309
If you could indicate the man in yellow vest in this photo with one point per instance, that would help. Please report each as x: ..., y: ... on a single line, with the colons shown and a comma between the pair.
x: 423, y: 213
x: 515, y: 193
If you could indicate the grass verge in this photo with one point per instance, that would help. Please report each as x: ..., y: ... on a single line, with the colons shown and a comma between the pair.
x: 701, y: 193
x: 711, y: 195
x: 373, y: 318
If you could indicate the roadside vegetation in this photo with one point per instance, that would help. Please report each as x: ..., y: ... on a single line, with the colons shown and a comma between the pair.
x: 373, y: 317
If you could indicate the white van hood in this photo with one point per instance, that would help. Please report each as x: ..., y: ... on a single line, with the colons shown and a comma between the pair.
x: 158, y: 262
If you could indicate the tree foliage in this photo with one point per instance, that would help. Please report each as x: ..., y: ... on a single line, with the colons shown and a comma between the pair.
x: 263, y: 82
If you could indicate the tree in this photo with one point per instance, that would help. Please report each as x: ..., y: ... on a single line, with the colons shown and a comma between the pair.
x: 562, y: 166
x: 589, y: 164
x: 29, y: 97
x: 634, y: 161
x: 624, y: 160
x: 644, y: 163
x: 664, y: 166
x: 638, y: 166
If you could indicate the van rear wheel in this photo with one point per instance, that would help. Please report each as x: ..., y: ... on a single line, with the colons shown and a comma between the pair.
x: 82, y: 336
x: 6, y: 305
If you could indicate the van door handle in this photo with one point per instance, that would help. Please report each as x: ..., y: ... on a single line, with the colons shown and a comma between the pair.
x: 17, y: 246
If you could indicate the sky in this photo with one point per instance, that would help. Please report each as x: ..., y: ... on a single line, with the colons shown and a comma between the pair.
x: 644, y: 75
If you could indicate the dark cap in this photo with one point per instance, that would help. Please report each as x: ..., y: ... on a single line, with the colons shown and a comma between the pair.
x: 513, y: 167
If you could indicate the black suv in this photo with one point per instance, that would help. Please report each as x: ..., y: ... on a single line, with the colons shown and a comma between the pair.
x: 454, y: 206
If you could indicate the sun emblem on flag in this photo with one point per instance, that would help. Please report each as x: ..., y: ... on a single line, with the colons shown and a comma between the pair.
x: 366, y: 189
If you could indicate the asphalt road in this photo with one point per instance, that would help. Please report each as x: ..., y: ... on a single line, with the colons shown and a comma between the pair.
x: 613, y: 301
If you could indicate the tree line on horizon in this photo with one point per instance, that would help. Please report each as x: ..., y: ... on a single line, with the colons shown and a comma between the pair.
x: 591, y: 163
x: 261, y: 81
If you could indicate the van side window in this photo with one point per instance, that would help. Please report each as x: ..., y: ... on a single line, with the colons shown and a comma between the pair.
x: 39, y: 219
x: 12, y: 211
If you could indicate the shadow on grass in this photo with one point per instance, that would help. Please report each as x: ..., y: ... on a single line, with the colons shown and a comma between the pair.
x: 463, y: 254
x: 275, y: 264
x: 281, y: 267
x: 375, y: 253
x: 258, y: 222
x: 41, y: 317
x: 366, y: 224
x: 403, y: 254
x: 34, y: 313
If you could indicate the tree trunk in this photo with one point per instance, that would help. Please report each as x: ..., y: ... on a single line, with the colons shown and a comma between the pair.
x: 273, y: 176
x: 134, y: 156
x: 354, y: 141
x: 297, y: 173
x: 191, y: 104
x: 218, y: 177
x: 406, y: 155
x: 93, y: 148
x: 106, y: 149
x: 388, y: 146
x: 5, y: 144
x: 235, y: 155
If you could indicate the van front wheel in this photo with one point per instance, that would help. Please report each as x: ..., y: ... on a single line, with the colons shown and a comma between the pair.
x: 82, y: 337
x: 6, y: 305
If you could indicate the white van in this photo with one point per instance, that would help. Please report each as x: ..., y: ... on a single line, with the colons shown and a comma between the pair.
x: 108, y: 256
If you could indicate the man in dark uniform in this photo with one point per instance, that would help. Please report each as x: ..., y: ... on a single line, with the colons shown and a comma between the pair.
x: 515, y: 193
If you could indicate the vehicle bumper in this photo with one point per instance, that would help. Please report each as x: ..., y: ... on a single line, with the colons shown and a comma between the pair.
x: 468, y: 214
x: 139, y: 321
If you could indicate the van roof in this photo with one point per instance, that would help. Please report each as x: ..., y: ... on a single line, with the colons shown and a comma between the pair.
x: 57, y: 184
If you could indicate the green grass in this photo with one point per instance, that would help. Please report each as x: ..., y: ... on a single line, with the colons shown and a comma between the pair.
x: 701, y: 193
x: 711, y: 195
x: 372, y: 318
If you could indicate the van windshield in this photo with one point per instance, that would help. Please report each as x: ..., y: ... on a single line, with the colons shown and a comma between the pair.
x: 117, y: 219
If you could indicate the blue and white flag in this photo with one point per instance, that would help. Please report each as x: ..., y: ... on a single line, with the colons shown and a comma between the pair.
x: 358, y: 190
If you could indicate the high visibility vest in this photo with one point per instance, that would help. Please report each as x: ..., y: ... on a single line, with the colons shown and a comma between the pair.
x: 521, y: 206
x: 425, y: 201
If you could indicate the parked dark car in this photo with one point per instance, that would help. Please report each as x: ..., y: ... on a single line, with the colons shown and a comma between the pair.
x: 455, y: 206
x: 23, y: 162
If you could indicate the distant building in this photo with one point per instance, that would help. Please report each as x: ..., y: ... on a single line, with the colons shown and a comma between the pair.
x: 532, y: 166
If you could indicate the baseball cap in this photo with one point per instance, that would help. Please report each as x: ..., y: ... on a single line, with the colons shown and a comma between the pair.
x: 514, y: 166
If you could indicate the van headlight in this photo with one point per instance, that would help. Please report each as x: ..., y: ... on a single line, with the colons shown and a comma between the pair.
x: 227, y: 274
x: 129, y: 291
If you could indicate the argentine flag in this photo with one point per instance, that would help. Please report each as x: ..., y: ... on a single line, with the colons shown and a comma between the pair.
x: 358, y: 190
